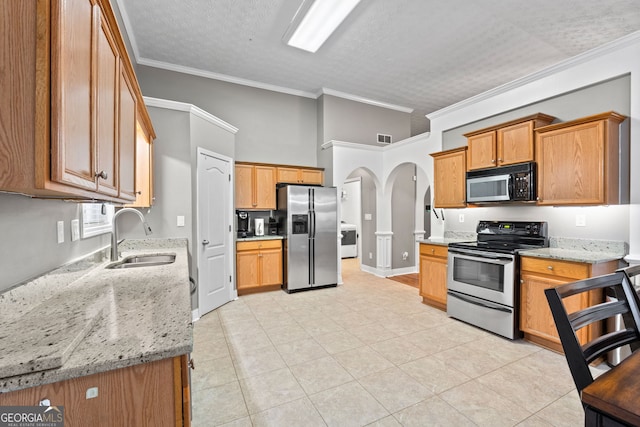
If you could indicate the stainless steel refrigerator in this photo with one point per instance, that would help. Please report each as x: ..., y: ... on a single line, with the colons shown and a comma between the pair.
x: 309, y: 223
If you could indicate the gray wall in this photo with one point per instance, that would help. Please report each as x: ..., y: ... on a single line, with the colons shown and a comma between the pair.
x: 403, y: 201
x: 179, y: 134
x: 273, y: 127
x: 612, y: 95
x: 351, y: 121
x: 367, y: 235
x: 29, y: 244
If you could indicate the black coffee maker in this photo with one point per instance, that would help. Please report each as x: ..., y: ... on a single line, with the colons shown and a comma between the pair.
x: 243, y: 224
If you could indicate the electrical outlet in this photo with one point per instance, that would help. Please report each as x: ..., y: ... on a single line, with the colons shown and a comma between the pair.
x: 370, y: 255
x: 91, y: 393
x: 180, y: 221
x: 60, y: 228
x: 75, y: 229
x: 581, y: 220
x: 405, y: 255
x: 461, y: 218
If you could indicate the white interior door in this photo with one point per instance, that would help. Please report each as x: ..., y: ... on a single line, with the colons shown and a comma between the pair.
x: 215, y: 240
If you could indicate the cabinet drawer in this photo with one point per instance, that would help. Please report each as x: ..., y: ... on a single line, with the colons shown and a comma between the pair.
x: 258, y: 244
x: 573, y: 270
x: 433, y: 250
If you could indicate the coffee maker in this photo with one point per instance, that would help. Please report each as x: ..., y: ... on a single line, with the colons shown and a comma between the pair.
x: 243, y: 224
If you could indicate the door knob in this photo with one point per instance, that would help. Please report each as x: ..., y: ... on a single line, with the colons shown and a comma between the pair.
x: 205, y: 242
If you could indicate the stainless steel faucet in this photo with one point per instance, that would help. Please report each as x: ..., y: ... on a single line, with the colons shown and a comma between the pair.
x: 114, y: 230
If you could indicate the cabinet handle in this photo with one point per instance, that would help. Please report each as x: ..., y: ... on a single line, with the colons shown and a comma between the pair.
x: 550, y: 267
x: 500, y: 160
x: 138, y: 192
x: 493, y: 160
x: 102, y: 174
x: 433, y: 251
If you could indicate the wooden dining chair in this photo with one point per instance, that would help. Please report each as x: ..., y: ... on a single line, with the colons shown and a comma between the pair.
x: 580, y: 355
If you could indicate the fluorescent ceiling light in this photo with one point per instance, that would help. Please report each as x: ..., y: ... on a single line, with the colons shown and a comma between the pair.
x: 315, y: 21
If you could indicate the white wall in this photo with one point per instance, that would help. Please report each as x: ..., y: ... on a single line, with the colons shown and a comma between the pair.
x: 620, y: 223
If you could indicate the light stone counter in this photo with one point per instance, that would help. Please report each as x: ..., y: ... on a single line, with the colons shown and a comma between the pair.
x: 580, y: 250
x: 81, y: 319
x: 450, y: 237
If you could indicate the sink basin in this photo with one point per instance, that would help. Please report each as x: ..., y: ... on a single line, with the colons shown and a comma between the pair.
x: 144, y: 261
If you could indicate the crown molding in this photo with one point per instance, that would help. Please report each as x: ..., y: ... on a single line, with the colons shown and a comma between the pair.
x: 613, y: 46
x: 189, y: 108
x: 128, y: 28
x: 223, y: 77
x: 351, y: 97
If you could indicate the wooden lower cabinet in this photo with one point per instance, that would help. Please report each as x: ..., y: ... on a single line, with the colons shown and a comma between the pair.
x: 538, y: 274
x: 148, y: 394
x: 258, y: 266
x: 433, y: 275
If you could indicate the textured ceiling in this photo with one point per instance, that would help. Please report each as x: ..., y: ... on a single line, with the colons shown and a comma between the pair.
x: 419, y: 54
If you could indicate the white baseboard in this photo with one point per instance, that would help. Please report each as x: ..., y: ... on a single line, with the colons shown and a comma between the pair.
x: 388, y: 273
x: 403, y: 270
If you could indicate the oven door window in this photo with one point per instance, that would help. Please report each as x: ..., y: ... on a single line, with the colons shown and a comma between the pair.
x: 478, y: 273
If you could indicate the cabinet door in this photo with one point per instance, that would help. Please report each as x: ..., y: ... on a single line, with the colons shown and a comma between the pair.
x: 265, y: 187
x: 244, y: 187
x: 433, y: 279
x: 571, y: 165
x: 33, y: 395
x: 311, y: 176
x: 247, y: 269
x: 271, y: 266
x: 450, y: 180
x: 515, y: 143
x: 144, y: 169
x: 127, y: 139
x: 72, y: 49
x: 482, y: 150
x: 288, y: 175
x: 535, y: 315
x: 105, y: 110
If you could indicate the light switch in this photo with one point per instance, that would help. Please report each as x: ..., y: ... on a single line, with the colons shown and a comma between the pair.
x: 60, y: 227
x: 180, y: 220
x: 581, y: 220
x: 75, y: 229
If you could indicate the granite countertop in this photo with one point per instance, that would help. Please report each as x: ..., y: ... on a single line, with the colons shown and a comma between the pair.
x: 450, y: 237
x: 580, y: 250
x: 265, y: 237
x: 81, y: 318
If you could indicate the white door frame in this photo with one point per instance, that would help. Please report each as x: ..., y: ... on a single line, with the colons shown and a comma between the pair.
x: 233, y: 293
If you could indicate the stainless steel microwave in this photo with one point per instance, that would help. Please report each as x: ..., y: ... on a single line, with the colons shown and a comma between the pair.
x: 514, y: 183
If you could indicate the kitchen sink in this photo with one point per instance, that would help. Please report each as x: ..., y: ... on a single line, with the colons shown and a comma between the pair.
x: 144, y: 261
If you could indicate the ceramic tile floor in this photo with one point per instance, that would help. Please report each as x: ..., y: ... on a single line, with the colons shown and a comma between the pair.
x: 368, y: 353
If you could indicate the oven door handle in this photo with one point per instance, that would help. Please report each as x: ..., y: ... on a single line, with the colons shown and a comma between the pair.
x: 484, y: 255
x: 476, y: 302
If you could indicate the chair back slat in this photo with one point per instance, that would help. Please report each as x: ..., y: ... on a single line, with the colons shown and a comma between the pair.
x: 596, y: 313
x: 608, y: 342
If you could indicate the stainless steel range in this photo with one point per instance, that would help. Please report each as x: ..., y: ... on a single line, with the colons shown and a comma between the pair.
x: 483, y: 276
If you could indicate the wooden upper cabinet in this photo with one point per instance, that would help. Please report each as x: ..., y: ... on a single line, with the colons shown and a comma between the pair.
x: 482, y: 150
x: 72, y: 149
x: 504, y: 144
x: 143, y: 169
x: 578, y: 161
x: 70, y: 100
x: 127, y: 138
x: 294, y: 175
x: 255, y: 186
x: 449, y: 175
x: 265, y: 187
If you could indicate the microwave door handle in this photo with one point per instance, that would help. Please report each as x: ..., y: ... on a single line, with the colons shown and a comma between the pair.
x: 510, y: 187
